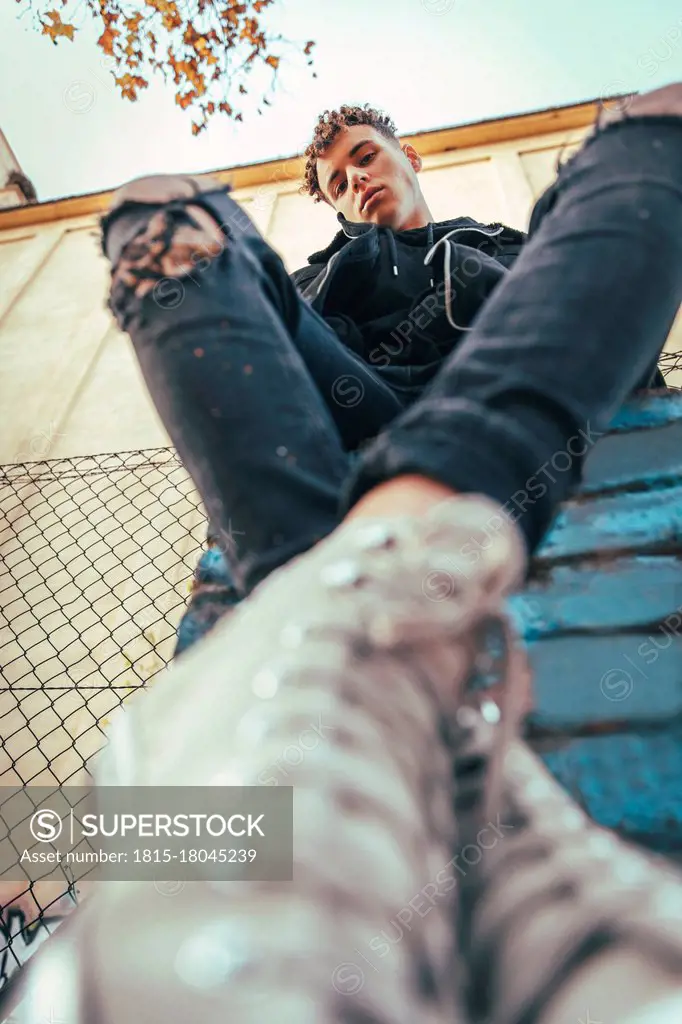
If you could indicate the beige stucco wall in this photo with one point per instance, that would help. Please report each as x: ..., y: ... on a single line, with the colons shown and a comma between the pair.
x: 69, y: 384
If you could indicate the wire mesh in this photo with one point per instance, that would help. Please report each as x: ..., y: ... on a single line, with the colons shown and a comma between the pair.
x: 670, y: 364
x: 96, y: 561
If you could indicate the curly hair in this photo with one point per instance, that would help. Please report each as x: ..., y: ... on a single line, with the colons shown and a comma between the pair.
x: 328, y: 126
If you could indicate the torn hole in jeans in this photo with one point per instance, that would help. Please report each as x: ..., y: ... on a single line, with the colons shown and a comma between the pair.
x: 176, y: 242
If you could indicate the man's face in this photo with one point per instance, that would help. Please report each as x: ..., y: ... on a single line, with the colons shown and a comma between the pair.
x: 369, y: 178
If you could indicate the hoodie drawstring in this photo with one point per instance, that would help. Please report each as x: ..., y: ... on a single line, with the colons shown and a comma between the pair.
x: 429, y: 242
x: 446, y: 270
x: 394, y: 252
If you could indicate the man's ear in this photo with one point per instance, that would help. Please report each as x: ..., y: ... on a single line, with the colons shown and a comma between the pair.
x: 413, y: 156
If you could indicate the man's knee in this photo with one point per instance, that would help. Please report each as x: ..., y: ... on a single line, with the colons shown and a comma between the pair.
x: 169, y: 243
x: 666, y: 101
x: 155, y: 189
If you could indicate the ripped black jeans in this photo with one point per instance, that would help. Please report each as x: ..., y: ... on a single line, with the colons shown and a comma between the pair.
x: 263, y: 402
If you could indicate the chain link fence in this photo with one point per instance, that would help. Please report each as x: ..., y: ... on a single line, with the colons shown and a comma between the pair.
x: 96, y: 561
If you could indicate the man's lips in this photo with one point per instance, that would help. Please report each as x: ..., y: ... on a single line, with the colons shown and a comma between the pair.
x: 369, y: 198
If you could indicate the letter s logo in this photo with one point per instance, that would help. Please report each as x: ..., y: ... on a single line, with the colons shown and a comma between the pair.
x: 46, y: 826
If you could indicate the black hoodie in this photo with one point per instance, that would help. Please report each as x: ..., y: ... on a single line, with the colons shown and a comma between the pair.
x: 402, y: 300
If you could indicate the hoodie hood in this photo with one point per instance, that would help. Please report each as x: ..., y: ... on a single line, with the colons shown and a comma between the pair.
x: 417, y: 236
x: 349, y: 229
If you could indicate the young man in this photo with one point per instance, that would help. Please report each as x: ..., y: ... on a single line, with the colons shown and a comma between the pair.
x: 375, y: 286
x: 384, y: 284
x: 245, y: 374
x: 400, y: 292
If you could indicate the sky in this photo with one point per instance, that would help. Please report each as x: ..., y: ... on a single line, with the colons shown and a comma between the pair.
x: 429, y: 63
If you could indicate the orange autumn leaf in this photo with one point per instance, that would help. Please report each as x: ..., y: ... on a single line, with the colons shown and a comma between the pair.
x: 107, y: 39
x: 186, y: 100
x: 250, y: 29
x: 189, y: 69
x: 129, y: 85
x: 168, y: 10
x: 58, y: 28
x: 272, y: 61
x: 133, y: 24
x: 190, y: 35
x: 171, y: 20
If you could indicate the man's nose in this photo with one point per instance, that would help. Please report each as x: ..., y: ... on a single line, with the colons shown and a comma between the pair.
x: 359, y: 178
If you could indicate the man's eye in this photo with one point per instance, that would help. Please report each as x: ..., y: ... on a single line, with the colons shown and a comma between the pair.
x: 341, y: 188
x: 366, y: 159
